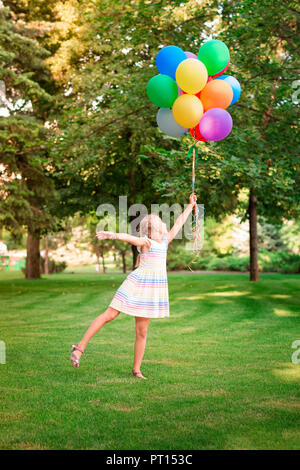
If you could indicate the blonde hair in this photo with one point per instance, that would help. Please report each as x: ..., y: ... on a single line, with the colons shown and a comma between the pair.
x: 149, y: 224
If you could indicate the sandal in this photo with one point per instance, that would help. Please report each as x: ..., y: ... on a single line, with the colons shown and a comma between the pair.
x: 74, y: 360
x: 138, y: 374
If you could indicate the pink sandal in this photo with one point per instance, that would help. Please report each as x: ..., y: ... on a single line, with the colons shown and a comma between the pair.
x: 74, y: 360
x: 140, y: 376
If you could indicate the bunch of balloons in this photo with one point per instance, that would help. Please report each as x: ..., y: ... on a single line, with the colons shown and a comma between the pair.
x: 193, y: 92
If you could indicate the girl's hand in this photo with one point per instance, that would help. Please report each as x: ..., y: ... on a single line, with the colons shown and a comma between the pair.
x: 193, y: 199
x: 102, y: 235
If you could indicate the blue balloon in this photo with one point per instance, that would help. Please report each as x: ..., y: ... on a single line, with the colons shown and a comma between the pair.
x: 236, y: 87
x: 168, y: 59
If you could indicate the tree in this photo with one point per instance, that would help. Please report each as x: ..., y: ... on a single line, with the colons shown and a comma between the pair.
x: 259, y: 156
x: 25, y: 188
x: 262, y: 36
x: 104, y: 64
x: 99, y: 247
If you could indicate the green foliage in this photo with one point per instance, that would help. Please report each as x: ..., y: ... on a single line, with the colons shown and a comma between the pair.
x: 280, y: 261
x: 260, y: 153
x: 291, y: 235
x: 104, y: 65
x: 268, y: 261
x: 53, y: 266
x: 27, y: 192
x: 104, y: 138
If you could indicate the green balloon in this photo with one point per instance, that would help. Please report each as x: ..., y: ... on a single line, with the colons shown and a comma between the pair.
x: 215, y: 56
x: 162, y: 91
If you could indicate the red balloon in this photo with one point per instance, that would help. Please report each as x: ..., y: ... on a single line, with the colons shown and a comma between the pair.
x: 220, y: 73
x: 195, y: 132
x: 196, y: 94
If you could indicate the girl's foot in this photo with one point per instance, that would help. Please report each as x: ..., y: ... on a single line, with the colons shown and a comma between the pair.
x: 138, y: 374
x: 76, y: 355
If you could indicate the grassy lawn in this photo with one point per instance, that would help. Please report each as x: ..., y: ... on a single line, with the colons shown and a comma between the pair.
x: 219, y: 370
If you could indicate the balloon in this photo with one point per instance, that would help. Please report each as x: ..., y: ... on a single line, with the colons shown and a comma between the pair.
x: 236, y: 87
x: 190, y: 55
x: 185, y: 93
x: 222, y: 71
x: 191, y: 76
x: 180, y: 91
x: 216, y: 94
x: 167, y: 124
x: 215, y: 124
x: 187, y: 110
x: 195, y: 132
x: 162, y: 91
x: 168, y: 59
x: 215, y: 56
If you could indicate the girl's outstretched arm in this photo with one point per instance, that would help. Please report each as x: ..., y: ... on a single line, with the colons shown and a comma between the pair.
x: 124, y: 237
x: 180, y: 221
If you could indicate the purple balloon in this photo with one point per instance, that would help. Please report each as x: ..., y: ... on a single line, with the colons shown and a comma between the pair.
x: 180, y: 92
x: 215, y: 124
x: 190, y: 55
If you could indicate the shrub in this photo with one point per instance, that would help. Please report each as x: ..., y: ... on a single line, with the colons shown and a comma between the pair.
x: 53, y: 266
x: 280, y: 261
x: 234, y: 263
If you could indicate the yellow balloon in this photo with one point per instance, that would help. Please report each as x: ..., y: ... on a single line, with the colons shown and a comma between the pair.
x: 187, y: 110
x: 191, y: 76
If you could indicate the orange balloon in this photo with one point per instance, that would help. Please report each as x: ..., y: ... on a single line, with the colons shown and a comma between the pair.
x: 216, y: 94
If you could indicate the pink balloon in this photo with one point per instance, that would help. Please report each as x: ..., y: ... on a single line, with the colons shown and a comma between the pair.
x: 190, y: 55
x: 215, y: 124
x: 220, y: 73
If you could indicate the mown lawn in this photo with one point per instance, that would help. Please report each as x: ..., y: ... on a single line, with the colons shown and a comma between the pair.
x: 219, y: 370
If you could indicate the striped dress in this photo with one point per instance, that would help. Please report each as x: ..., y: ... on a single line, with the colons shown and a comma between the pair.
x: 144, y: 293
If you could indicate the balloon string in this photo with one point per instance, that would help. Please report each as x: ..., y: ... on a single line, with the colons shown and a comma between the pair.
x: 193, y: 191
x: 193, y: 164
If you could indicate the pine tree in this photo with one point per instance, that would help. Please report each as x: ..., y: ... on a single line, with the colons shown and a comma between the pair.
x: 26, y: 189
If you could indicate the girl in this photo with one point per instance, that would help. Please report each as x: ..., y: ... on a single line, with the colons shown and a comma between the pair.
x: 144, y: 293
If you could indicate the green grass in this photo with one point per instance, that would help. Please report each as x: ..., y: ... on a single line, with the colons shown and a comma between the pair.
x: 219, y: 369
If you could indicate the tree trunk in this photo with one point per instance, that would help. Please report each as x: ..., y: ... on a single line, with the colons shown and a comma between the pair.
x: 46, y: 255
x: 253, y: 236
x: 123, y: 254
x: 102, y: 257
x: 97, y: 263
x: 33, y: 269
x: 103, y: 265
x: 134, y: 256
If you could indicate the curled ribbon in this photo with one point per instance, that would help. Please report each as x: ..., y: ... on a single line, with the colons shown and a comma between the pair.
x: 190, y: 152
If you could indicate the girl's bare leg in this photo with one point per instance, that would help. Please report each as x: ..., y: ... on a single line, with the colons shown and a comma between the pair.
x: 141, y: 327
x: 109, y: 315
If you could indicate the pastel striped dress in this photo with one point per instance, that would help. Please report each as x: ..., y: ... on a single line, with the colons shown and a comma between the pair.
x: 144, y: 293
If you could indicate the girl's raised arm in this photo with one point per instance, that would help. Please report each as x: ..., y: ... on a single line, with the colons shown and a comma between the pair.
x: 180, y: 221
x: 124, y: 237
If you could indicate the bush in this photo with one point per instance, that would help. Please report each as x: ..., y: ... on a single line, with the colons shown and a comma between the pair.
x: 234, y: 263
x: 217, y: 264
x: 53, y: 266
x: 281, y: 261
